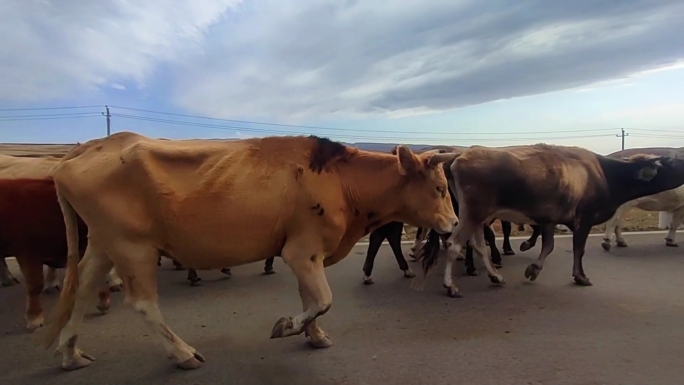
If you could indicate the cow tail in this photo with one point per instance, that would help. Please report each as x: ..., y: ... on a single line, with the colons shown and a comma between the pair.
x: 61, y: 314
x: 428, y: 255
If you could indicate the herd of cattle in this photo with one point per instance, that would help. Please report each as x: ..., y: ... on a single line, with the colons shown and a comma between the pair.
x: 112, y: 207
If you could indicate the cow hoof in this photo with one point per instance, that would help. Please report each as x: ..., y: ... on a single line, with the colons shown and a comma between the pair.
x: 525, y: 246
x: 178, y: 267
x: 103, y: 308
x: 282, y: 325
x: 532, y: 271
x: 621, y: 244
x: 472, y: 273
x: 498, y: 280
x: 51, y: 289
x: 460, y: 257
x: 227, y: 272
x: 605, y: 245
x: 323, y: 343
x: 269, y: 271
x: 454, y: 292
x: 583, y: 281
x: 194, y: 362
x: 78, y: 362
x: 498, y: 265
x: 509, y: 252
x: 408, y: 273
x: 34, y: 325
x: 413, y: 256
x: 196, y: 282
x: 10, y: 282
x: 116, y: 288
x: 670, y: 243
x: 367, y: 280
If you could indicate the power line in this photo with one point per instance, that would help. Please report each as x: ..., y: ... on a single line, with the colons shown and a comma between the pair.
x: 622, y: 135
x: 259, y: 130
x: 50, y: 118
x: 49, y: 108
x: 348, y: 129
x: 50, y: 115
x: 340, y: 132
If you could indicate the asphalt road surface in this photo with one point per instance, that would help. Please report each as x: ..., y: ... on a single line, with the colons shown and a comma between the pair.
x: 626, y: 329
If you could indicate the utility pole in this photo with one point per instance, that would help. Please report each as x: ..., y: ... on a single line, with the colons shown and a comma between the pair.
x: 109, y: 120
x: 622, y: 135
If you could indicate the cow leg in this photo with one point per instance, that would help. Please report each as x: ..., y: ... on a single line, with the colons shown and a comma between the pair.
x: 619, y: 239
x: 506, y: 229
x: 528, y: 244
x: 394, y: 240
x: 490, y: 237
x: 314, y: 291
x: 32, y: 269
x: 613, y: 226
x: 469, y: 262
x: 317, y: 337
x: 177, y: 265
x: 92, y: 270
x: 268, y: 266
x: 114, y: 281
x: 454, y: 243
x: 374, y: 243
x: 677, y: 217
x: 420, y: 237
x: 52, y: 281
x: 478, y: 242
x: 6, y: 277
x: 194, y: 278
x: 548, y: 242
x: 140, y: 286
x: 579, y: 241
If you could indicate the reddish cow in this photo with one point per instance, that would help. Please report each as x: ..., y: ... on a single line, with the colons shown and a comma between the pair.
x: 32, y: 229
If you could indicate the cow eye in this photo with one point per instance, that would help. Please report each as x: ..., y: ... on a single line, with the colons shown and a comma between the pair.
x: 440, y: 189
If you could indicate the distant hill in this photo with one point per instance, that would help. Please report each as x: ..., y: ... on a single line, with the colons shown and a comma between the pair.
x: 660, y: 151
x: 46, y: 149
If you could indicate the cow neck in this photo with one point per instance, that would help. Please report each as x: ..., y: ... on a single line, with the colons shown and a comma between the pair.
x: 371, y: 183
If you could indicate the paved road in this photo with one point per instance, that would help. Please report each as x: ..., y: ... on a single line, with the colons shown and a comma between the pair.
x: 626, y: 329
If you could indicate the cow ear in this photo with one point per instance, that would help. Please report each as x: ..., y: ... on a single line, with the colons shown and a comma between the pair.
x: 647, y: 173
x: 446, y: 157
x: 394, y: 150
x: 408, y: 162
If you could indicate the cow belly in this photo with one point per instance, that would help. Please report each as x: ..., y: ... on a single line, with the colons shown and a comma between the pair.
x: 511, y: 216
x: 665, y: 201
x: 232, y: 251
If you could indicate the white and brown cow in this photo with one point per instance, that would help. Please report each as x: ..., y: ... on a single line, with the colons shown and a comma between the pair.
x: 670, y: 200
x: 545, y: 185
x: 215, y: 204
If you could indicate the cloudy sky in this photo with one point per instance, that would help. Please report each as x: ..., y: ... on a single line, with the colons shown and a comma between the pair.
x: 495, y: 72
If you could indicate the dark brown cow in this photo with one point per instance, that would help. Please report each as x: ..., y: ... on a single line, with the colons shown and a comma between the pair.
x: 544, y: 185
x: 32, y: 229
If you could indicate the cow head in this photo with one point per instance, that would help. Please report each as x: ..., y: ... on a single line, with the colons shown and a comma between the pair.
x: 424, y: 192
x: 652, y: 174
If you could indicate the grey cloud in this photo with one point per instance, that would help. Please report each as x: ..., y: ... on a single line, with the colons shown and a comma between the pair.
x: 311, y: 58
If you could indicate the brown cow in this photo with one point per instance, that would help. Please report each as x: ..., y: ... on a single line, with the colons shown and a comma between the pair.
x: 32, y: 229
x: 12, y: 167
x: 544, y: 185
x: 215, y: 204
